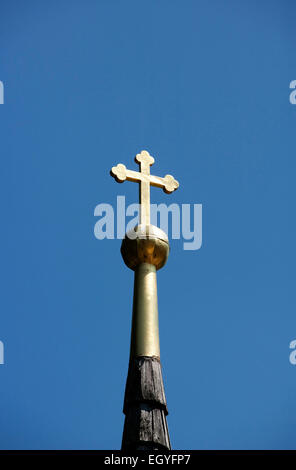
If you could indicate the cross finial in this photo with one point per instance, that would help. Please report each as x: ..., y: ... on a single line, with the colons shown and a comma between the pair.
x: 143, y: 177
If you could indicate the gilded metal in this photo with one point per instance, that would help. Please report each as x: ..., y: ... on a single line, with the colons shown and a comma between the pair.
x: 145, y: 244
x: 145, y: 160
x: 145, y: 249
x: 145, y: 335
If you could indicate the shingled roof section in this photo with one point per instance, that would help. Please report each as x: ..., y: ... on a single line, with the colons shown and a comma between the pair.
x: 145, y: 407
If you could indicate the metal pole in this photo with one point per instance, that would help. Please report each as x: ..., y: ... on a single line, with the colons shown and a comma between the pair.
x: 145, y: 331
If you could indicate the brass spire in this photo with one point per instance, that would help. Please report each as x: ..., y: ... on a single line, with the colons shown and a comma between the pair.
x: 145, y: 250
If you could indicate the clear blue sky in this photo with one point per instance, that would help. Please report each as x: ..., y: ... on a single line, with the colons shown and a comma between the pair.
x: 204, y: 86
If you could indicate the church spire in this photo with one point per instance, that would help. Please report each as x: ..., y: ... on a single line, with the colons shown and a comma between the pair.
x: 145, y: 250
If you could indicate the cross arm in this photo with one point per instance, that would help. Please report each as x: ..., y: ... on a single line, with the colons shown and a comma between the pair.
x: 120, y: 173
x: 168, y: 183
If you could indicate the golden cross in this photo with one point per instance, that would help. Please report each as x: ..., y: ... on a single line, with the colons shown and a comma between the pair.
x: 168, y: 183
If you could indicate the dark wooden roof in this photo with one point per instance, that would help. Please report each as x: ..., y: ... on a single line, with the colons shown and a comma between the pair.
x: 145, y: 407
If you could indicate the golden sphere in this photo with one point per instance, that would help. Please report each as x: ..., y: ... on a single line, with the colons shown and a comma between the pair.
x: 145, y: 244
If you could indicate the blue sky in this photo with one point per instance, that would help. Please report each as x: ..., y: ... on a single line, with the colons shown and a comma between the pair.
x: 204, y: 86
